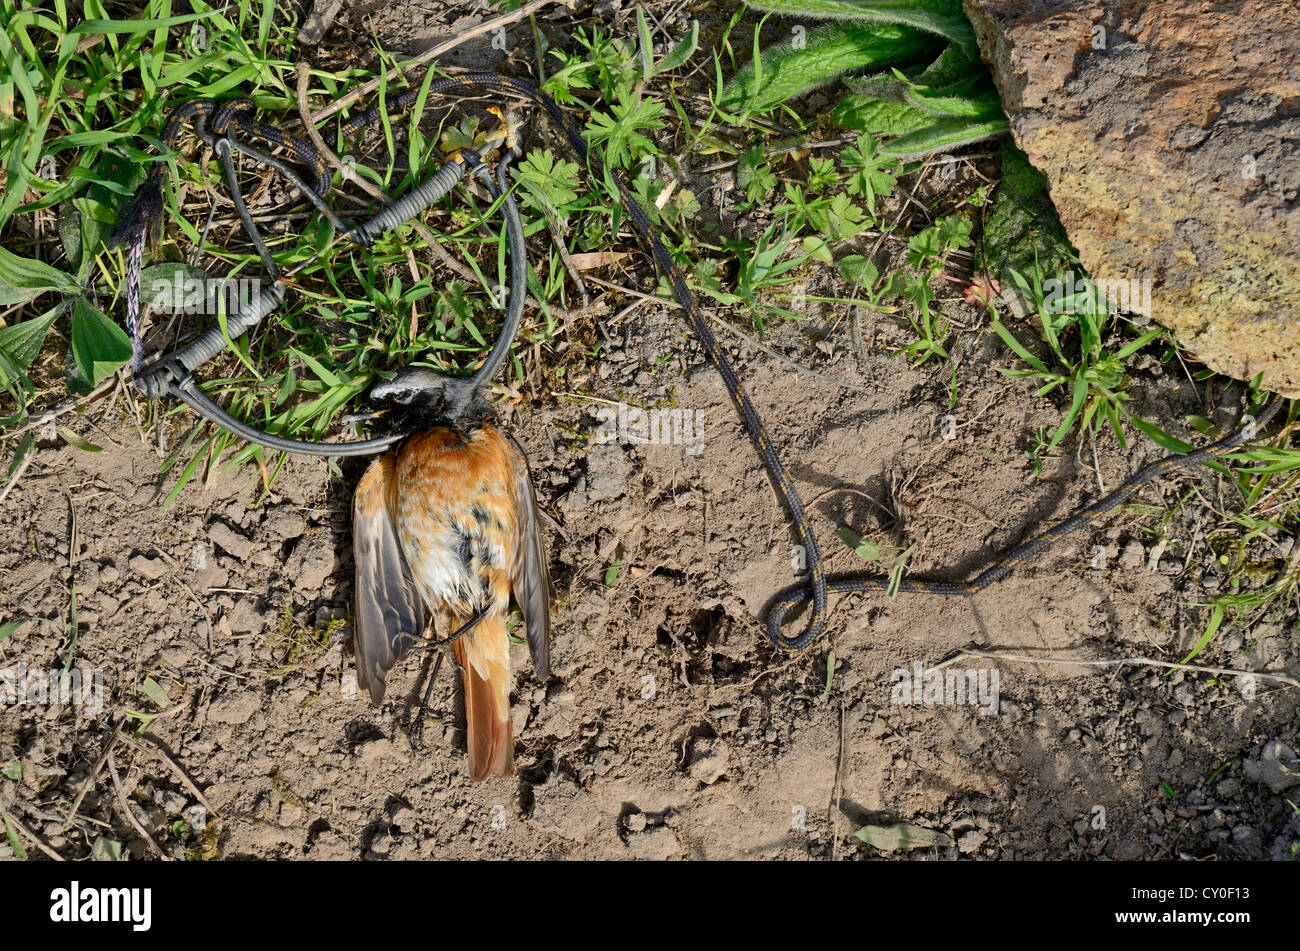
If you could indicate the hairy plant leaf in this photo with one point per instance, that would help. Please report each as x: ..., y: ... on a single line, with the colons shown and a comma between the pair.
x: 941, y: 17
x: 866, y: 113
x: 944, y: 134
x: 828, y: 52
x: 682, y: 51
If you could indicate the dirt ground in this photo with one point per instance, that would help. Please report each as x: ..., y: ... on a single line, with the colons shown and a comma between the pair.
x: 670, y: 727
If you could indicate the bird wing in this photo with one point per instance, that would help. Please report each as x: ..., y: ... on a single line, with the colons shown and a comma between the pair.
x: 530, y: 574
x: 389, y: 614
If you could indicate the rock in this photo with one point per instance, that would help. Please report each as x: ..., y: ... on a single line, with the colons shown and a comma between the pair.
x: 1275, y: 765
x: 88, y: 579
x: 635, y: 822
x: 558, y: 717
x: 970, y: 843
x: 376, y: 750
x: 1166, y: 131
x: 654, y: 845
x: 225, y: 538
x: 709, y: 761
x: 1133, y: 555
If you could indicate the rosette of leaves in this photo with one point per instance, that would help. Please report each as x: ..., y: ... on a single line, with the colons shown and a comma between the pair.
x: 912, y: 68
x: 97, y: 346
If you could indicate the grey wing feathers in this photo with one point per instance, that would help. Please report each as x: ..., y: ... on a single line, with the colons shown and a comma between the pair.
x: 530, y: 573
x: 388, y: 613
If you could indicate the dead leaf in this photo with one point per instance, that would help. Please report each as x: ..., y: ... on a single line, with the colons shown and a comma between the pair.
x: 901, y: 837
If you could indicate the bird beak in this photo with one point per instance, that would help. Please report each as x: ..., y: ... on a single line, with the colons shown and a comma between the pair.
x: 354, y: 418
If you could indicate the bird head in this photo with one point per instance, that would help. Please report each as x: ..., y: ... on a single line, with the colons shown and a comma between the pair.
x: 418, y: 398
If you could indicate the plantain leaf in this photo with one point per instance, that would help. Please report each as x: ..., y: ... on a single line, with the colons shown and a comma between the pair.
x: 106, y: 850
x: 21, y: 342
x: 70, y: 231
x: 645, y: 44
x: 15, y: 843
x: 99, y: 346
x: 22, y: 279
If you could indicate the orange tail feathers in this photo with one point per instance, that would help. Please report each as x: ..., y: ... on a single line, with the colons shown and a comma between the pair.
x: 484, y: 656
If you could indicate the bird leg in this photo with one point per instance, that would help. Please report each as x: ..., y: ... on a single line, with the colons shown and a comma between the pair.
x: 443, y: 646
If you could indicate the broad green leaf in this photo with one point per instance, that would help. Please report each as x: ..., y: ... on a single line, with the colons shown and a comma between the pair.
x: 22, y: 342
x: 940, y: 17
x: 22, y: 279
x: 1159, y: 436
x: 24, y: 447
x: 825, y: 54
x: 645, y: 44
x: 70, y: 231
x: 864, y: 548
x: 945, y: 134
x: 865, y: 113
x: 155, y: 692
x: 15, y: 843
x: 99, y: 346
x: 858, y: 270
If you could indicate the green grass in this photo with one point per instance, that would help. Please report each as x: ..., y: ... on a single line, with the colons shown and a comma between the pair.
x: 97, y: 104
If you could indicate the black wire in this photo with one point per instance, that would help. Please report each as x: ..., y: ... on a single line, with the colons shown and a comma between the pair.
x: 174, y: 375
x: 818, y: 587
